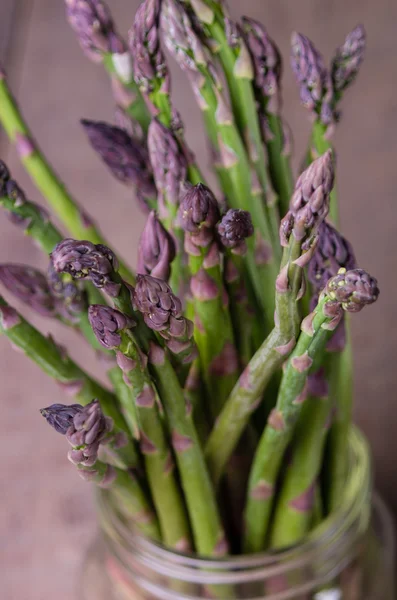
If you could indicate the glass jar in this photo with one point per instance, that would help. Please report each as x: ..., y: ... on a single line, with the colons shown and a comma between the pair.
x: 350, y: 556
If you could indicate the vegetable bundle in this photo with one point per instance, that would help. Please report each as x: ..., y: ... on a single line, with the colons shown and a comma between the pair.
x: 228, y: 353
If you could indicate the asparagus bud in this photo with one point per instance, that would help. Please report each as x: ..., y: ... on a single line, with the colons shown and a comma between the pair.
x: 83, y: 259
x: 126, y: 158
x: 60, y: 416
x: 150, y: 67
x: 348, y: 59
x: 198, y: 214
x: 233, y: 229
x: 162, y: 312
x: 71, y: 298
x: 333, y: 251
x: 267, y: 62
x: 168, y: 162
x: 352, y: 289
x: 106, y: 323
x: 310, y: 202
x: 92, y: 22
x: 30, y: 286
x: 314, y: 79
x: 88, y: 430
x: 156, y: 249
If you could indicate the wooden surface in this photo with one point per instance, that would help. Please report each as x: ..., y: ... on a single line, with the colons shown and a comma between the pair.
x: 47, y: 518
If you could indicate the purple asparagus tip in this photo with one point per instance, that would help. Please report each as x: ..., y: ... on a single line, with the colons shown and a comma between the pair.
x: 353, y: 289
x: 267, y: 61
x: 82, y: 259
x: 4, y: 177
x: 144, y: 41
x: 107, y: 323
x: 309, y: 204
x: 333, y: 252
x: 87, y: 431
x: 348, y: 59
x: 30, y: 286
x: 126, y: 158
x: 92, y: 22
x: 162, y: 312
x: 199, y: 213
x: 313, y: 77
x: 156, y: 249
x: 168, y: 162
x: 60, y: 416
x: 233, y: 229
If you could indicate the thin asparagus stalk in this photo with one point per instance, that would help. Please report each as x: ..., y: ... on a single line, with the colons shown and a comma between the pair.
x: 86, y: 429
x: 267, y: 83
x: 193, y: 57
x: 78, y: 222
x: 295, y: 503
x: 73, y: 380
x: 309, y: 207
x: 349, y: 291
x: 93, y: 24
x: 198, y: 216
x: 233, y: 229
x: 126, y: 157
x: 82, y: 259
x: 114, y: 331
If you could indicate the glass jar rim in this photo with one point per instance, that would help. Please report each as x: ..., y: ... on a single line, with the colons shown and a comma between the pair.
x: 333, y: 540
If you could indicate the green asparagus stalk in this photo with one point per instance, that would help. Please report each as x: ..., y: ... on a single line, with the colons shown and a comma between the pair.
x: 114, y: 330
x: 78, y: 222
x: 86, y: 429
x: 295, y: 504
x: 54, y: 361
x: 93, y: 24
x: 348, y: 291
x: 298, y: 230
x: 267, y: 84
x: 82, y: 259
x: 198, y: 216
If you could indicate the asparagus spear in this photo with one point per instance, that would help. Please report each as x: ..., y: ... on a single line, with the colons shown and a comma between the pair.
x: 86, y: 428
x: 349, y: 291
x: 93, y: 24
x: 194, y: 58
x: 298, y: 230
x: 267, y: 83
x: 347, y: 60
x: 115, y: 330
x: 67, y: 209
x: 198, y: 216
x: 126, y: 157
x: 295, y: 503
x: 83, y: 259
x: 54, y: 361
x: 233, y: 229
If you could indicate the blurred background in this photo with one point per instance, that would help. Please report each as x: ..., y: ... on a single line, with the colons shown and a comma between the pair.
x: 47, y: 518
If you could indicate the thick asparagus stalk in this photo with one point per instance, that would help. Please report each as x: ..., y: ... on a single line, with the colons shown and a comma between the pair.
x: 267, y: 83
x: 127, y: 158
x: 83, y: 259
x: 114, y: 331
x: 70, y: 213
x: 295, y: 503
x: 349, y: 291
x: 54, y: 361
x: 93, y: 24
x: 309, y: 207
x: 198, y: 216
x: 86, y: 428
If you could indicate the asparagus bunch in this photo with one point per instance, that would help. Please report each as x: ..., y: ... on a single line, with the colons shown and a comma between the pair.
x: 234, y: 328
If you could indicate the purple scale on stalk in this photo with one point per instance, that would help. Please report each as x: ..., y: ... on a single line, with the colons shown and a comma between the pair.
x: 305, y: 502
x: 276, y: 420
x: 24, y: 145
x: 181, y: 443
x: 262, y: 491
